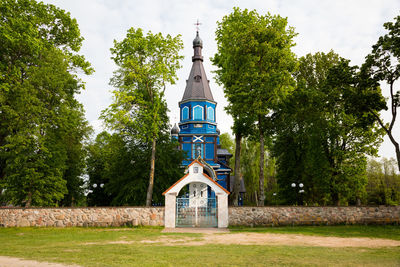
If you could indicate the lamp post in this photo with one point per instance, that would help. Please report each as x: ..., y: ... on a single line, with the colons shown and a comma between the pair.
x: 294, y: 187
x: 300, y: 191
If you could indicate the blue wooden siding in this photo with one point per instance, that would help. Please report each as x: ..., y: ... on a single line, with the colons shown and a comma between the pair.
x: 209, y: 151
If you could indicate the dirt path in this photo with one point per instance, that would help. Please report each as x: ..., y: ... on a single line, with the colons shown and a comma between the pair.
x: 273, y: 239
x: 15, y: 262
x: 266, y: 239
x: 298, y: 240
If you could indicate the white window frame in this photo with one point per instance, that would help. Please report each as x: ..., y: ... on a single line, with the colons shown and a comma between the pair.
x: 183, y: 118
x: 208, y: 113
x: 202, y: 112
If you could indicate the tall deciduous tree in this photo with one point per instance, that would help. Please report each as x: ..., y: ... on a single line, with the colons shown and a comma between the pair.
x: 146, y: 64
x: 255, y: 63
x: 321, y: 135
x: 38, y: 65
x: 383, y: 64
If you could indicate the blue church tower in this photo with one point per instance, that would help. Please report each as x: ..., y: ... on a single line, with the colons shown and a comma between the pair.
x: 197, y: 133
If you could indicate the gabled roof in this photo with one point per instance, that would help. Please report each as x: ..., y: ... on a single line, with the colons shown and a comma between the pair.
x: 220, y: 186
x: 205, y: 175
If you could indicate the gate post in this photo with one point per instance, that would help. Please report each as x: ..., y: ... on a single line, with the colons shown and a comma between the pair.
x: 170, y: 210
x: 222, y: 210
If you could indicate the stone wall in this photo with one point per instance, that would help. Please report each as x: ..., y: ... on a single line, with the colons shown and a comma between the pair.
x: 274, y: 216
x: 154, y: 216
x: 60, y: 217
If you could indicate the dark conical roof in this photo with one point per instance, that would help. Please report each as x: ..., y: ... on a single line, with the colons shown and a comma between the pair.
x: 197, y: 87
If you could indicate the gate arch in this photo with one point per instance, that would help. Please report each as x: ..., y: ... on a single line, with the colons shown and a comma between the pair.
x: 196, y: 208
x: 195, y: 175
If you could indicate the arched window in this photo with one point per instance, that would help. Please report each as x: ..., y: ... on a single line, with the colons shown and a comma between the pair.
x: 185, y: 113
x: 198, y: 112
x: 210, y: 113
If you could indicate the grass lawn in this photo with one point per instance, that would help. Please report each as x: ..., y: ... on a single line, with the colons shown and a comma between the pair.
x: 94, y: 247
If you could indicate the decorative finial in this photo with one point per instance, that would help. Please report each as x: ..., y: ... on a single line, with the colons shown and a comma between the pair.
x: 197, y: 25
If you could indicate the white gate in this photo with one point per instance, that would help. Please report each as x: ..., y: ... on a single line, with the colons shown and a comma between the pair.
x: 196, y: 212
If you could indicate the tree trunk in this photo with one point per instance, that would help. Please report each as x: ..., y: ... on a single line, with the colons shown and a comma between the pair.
x: 336, y: 199
x: 151, y: 179
x: 394, y: 142
x: 234, y: 199
x: 261, y: 179
x: 389, y: 129
x: 29, y: 200
x: 394, y: 116
x: 397, y: 155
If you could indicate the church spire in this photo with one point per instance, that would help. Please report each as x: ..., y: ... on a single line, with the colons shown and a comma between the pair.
x: 197, y: 46
x: 197, y: 87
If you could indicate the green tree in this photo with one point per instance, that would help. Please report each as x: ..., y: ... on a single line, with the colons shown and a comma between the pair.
x: 38, y: 65
x: 255, y: 66
x: 227, y: 142
x: 146, y: 64
x: 250, y: 157
x: 103, y: 152
x: 383, y: 64
x: 322, y: 137
x: 73, y: 139
x: 118, y: 168
x: 383, y: 187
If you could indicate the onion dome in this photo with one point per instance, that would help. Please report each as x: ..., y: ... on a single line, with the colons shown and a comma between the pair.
x: 175, y: 130
x: 197, y: 41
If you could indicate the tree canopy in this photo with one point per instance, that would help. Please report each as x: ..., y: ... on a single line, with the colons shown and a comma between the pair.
x: 321, y: 137
x: 255, y: 65
x: 42, y: 126
x: 118, y: 169
x: 146, y: 64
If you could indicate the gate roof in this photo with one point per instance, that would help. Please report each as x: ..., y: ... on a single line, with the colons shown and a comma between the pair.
x: 196, y: 177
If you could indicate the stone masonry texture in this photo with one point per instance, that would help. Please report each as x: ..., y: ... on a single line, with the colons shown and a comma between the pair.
x: 279, y: 216
x: 239, y: 216
x: 65, y: 217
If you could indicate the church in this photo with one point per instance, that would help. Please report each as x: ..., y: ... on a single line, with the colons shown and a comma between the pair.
x: 198, y: 199
x: 197, y: 133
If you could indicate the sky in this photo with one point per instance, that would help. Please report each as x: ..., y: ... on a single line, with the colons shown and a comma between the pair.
x: 348, y: 27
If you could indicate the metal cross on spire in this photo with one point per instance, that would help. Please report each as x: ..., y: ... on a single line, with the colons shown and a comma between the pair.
x: 197, y: 24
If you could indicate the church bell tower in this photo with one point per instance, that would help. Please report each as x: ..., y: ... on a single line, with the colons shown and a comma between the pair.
x: 197, y: 132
